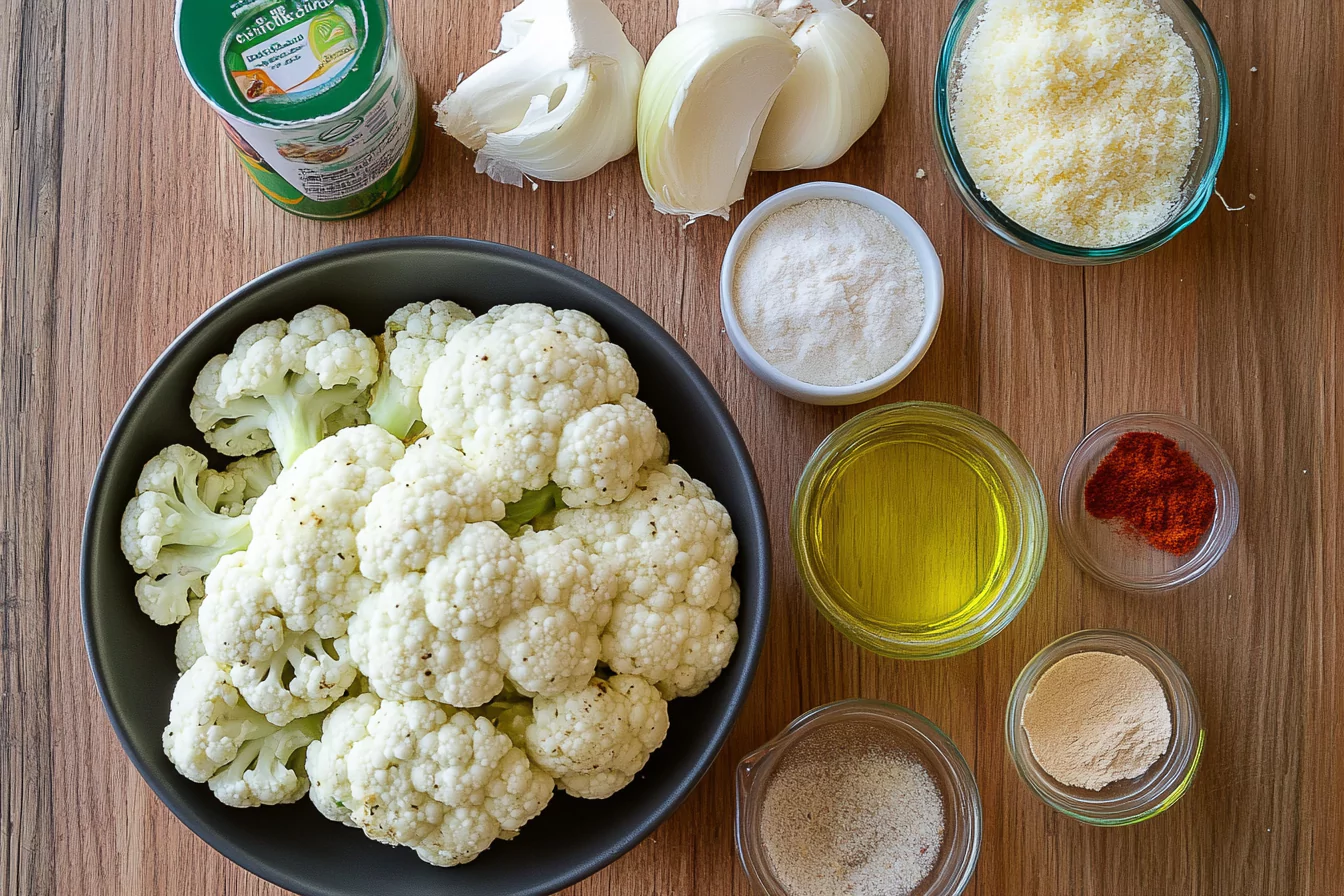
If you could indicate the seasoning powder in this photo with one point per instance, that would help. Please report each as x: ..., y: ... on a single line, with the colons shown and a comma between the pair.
x: 829, y: 292
x: 844, y: 816
x: 1096, y: 718
x: 1156, y: 492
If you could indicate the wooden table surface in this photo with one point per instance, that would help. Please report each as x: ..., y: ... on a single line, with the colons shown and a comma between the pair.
x: 125, y: 216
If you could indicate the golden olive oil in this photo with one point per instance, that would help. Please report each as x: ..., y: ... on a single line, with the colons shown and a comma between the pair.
x: 913, y: 531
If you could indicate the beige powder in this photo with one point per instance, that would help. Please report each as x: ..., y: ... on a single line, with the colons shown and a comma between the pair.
x: 829, y: 292
x: 1096, y: 718
x: 848, y: 815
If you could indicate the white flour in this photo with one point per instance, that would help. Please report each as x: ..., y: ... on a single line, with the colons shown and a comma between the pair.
x: 829, y: 292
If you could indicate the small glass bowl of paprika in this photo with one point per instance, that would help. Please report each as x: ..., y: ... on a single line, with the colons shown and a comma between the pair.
x: 1148, y: 502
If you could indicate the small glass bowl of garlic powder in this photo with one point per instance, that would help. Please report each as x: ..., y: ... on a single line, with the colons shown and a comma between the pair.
x: 858, y: 798
x: 1104, y: 726
x: 830, y: 293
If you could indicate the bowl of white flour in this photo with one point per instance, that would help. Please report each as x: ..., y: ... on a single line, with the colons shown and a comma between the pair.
x: 831, y: 293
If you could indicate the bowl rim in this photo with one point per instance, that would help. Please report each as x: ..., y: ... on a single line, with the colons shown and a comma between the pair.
x: 750, y: 642
x: 1214, y: 544
x: 1034, y: 244
x: 930, y: 265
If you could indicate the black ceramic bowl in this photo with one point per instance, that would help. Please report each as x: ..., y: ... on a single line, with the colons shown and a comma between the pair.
x: 132, y: 658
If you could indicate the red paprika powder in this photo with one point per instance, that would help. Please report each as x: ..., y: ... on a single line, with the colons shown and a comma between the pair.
x: 1154, y: 490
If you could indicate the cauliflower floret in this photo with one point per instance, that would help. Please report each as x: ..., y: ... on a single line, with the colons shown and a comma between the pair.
x: 434, y: 635
x: 672, y: 547
x: 553, y: 644
x: 432, y: 496
x: 602, y: 450
x: 595, y: 739
x: 187, y: 644
x: 268, y: 771
x: 415, y: 337
x: 304, y: 676
x: 445, y: 785
x: 510, y: 380
x: 283, y: 383
x: 249, y: 477
x: 208, y: 722
x: 238, y: 620
x: 172, y: 530
x: 405, y: 656
x: 304, y: 545
x: 343, y: 726
x: 479, y: 580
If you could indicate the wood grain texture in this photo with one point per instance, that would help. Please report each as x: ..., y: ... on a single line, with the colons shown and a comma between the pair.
x: 126, y: 217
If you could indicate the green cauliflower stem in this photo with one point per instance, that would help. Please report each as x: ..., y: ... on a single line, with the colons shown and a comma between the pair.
x: 174, y: 533
x: 535, y: 503
x: 415, y: 337
x: 285, y: 384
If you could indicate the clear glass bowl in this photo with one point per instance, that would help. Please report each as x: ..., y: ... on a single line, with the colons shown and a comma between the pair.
x: 902, y: 728
x: 1022, y: 551
x: 1215, y: 122
x: 1124, y: 802
x: 1120, y: 560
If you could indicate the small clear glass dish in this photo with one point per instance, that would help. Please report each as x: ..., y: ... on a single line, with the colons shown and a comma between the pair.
x: 1119, y: 559
x: 886, y: 723
x: 1200, y: 179
x: 1124, y: 802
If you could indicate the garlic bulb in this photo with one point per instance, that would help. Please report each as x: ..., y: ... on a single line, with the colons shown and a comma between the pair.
x: 559, y: 103
x: 832, y: 98
x: 707, y: 90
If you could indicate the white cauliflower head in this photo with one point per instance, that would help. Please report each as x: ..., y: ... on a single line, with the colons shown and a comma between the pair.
x: 305, y: 527
x: 672, y: 548
x: 415, y: 337
x: 432, y: 496
x: 283, y: 384
x: 510, y: 380
x: 443, y: 783
x: 595, y: 739
x: 553, y: 644
x: 435, y: 635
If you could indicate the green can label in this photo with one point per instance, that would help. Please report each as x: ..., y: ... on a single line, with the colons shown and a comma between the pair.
x: 315, y: 95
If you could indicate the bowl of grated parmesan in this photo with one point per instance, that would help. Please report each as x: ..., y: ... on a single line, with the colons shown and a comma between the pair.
x: 1082, y: 131
x: 830, y: 293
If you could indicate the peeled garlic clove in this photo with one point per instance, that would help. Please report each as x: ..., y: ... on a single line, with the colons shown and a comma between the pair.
x: 707, y: 90
x: 559, y: 103
x: 832, y: 98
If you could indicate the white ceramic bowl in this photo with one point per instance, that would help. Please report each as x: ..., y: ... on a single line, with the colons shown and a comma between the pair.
x: 933, y: 295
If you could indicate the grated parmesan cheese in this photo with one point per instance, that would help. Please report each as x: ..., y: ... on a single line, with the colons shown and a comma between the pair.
x: 1078, y: 118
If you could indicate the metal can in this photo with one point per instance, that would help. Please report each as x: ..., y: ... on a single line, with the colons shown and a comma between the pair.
x: 315, y: 95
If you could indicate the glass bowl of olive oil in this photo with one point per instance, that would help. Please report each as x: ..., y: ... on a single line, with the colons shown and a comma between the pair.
x: 919, y: 530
